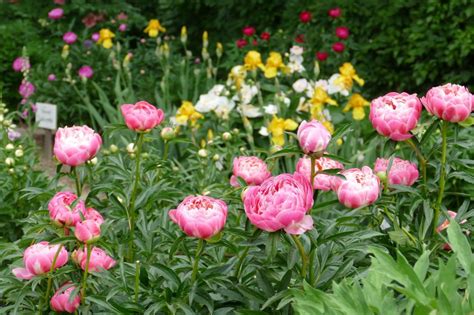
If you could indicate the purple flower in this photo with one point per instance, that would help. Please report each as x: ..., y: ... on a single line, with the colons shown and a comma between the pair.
x: 21, y: 64
x: 13, y: 135
x: 52, y: 77
x: 85, y: 72
x: 69, y: 38
x: 88, y: 43
x: 26, y: 89
x: 56, y: 14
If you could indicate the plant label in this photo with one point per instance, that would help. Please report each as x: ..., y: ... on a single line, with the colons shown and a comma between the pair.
x: 46, y: 116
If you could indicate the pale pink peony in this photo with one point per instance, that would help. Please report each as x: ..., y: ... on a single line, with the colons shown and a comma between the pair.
x: 313, y: 136
x: 21, y: 64
x: 99, y: 260
x: 402, y: 172
x: 87, y: 231
x: 280, y: 202
x: 60, y: 210
x: 62, y: 301
x: 85, y: 72
x: 359, y: 188
x: 26, y: 89
x: 251, y: 169
x: 395, y: 114
x: 200, y: 216
x: 142, y: 116
x: 122, y: 27
x: 69, y: 38
x: 52, y: 77
x: 95, y: 37
x: 75, y: 145
x: 321, y: 181
x: 38, y: 259
x: 56, y: 14
x: 445, y: 225
x: 449, y: 102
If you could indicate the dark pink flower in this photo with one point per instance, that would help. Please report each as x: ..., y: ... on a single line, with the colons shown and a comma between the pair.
x: 342, y: 32
x: 338, y: 47
x: 248, y: 31
x: 305, y: 17
x: 241, y: 43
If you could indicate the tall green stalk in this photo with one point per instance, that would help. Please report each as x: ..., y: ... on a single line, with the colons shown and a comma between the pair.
x: 133, y: 197
x: 199, y: 250
x: 50, y: 280
x: 77, y: 180
x: 442, y: 174
x: 86, y: 273
x: 304, y: 257
x: 422, y: 161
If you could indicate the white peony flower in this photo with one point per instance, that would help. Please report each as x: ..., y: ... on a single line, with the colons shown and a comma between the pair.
x: 263, y: 131
x: 300, y: 85
x: 250, y: 111
x: 271, y: 109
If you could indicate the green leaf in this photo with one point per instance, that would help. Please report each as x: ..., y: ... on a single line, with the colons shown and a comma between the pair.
x: 460, y: 245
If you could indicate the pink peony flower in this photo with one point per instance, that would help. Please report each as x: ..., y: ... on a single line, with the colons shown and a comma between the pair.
x: 280, y: 202
x: 87, y: 231
x: 38, y: 259
x: 60, y: 210
x: 200, y: 216
x: 342, y: 32
x: 321, y: 181
x: 338, y: 47
x: 305, y: 17
x: 122, y: 27
x: 75, y: 145
x: 449, y: 102
x: 26, y: 89
x: 251, y: 169
x: 313, y: 136
x: 248, y: 31
x: 95, y: 37
x: 395, y: 114
x: 56, y: 14
x: 322, y: 55
x: 99, y: 260
x: 401, y: 172
x: 334, y: 12
x: 69, y: 38
x: 94, y: 215
x: 85, y: 72
x: 21, y: 64
x: 122, y: 16
x: 142, y: 116
x: 241, y: 43
x: 62, y: 301
x: 265, y: 36
x: 52, y: 77
x: 359, y: 188
x: 445, y: 225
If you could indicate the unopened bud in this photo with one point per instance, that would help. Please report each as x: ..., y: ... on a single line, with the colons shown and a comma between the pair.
x: 202, y: 153
x: 226, y: 136
x: 167, y: 133
x: 131, y: 148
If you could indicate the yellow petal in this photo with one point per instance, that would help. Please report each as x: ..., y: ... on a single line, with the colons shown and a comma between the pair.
x: 181, y: 119
x: 278, y: 140
x: 359, y: 80
x: 330, y: 101
x: 347, y: 108
x: 107, y: 44
x: 270, y: 72
x: 290, y: 124
x: 153, y: 33
x: 358, y: 113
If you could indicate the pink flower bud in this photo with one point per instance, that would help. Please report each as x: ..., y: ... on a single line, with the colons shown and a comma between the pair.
x: 52, y: 77
x: 122, y: 27
x: 26, y: 89
x: 359, y: 188
x: 313, y: 136
x: 200, y: 216
x: 75, y: 145
x: 401, y: 172
x: 251, y: 169
x: 241, y: 43
x: 321, y: 55
x: 280, y: 202
x: 445, y: 225
x: 338, y: 47
x: 56, y: 14
x: 38, y: 260
x: 99, y: 260
x: 305, y: 17
x: 248, y: 31
x: 321, y: 181
x: 62, y: 301
x: 21, y: 64
x: 395, y: 114
x: 60, y: 210
x: 342, y: 32
x: 334, y: 12
x: 87, y: 231
x: 69, y: 38
x: 95, y: 37
x: 85, y: 72
x: 265, y: 36
x: 449, y: 102
x: 142, y: 116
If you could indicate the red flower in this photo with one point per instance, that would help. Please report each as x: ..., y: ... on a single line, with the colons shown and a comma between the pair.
x: 338, y: 47
x: 255, y: 42
x: 322, y: 55
x: 305, y: 17
x: 299, y: 38
x: 334, y: 13
x: 342, y: 32
x: 241, y: 43
x: 248, y: 30
x: 265, y: 36
x: 91, y: 19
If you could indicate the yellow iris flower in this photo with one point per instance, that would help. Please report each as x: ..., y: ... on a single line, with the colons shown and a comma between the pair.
x: 348, y: 75
x: 154, y: 28
x: 237, y: 76
x: 274, y: 62
x: 321, y: 97
x: 253, y: 60
x: 357, y: 104
x: 187, y: 113
x: 105, y: 38
x: 277, y: 128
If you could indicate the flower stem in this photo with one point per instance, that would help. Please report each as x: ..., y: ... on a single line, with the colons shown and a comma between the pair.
x: 442, y: 175
x: 50, y: 280
x: 421, y: 159
x: 78, y: 181
x: 86, y: 273
x: 165, y: 151
x: 241, y: 261
x: 133, y: 197
x: 137, y: 279
x: 304, y: 258
x: 199, y: 250
x: 313, y: 173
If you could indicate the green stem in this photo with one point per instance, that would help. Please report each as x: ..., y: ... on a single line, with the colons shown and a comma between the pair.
x: 165, y: 151
x: 86, y: 273
x: 77, y: 180
x: 137, y: 279
x: 50, y: 280
x: 442, y: 175
x: 421, y: 159
x: 304, y: 258
x: 199, y: 250
x: 241, y: 261
x: 131, y: 207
